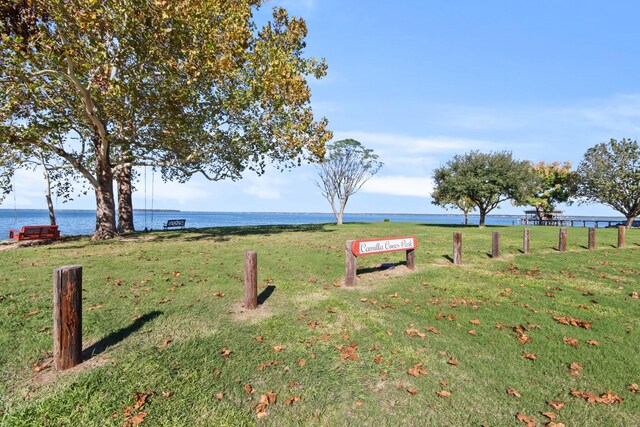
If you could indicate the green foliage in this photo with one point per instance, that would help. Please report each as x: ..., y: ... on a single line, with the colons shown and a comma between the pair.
x: 189, y: 87
x: 556, y: 184
x: 345, y: 169
x: 486, y: 179
x: 610, y: 174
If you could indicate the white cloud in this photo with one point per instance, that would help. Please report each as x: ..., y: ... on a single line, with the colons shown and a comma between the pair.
x: 264, y: 187
x: 399, y: 186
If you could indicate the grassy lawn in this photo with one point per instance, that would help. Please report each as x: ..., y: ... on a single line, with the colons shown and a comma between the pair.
x: 168, y: 342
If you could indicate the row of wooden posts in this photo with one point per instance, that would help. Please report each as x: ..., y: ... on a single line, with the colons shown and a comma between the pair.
x: 526, y: 244
x: 67, y: 292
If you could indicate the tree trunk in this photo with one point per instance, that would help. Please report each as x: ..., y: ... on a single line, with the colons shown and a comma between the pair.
x: 125, y: 202
x: 466, y: 218
x: 483, y: 214
x: 47, y: 179
x: 630, y: 221
x: 105, y: 202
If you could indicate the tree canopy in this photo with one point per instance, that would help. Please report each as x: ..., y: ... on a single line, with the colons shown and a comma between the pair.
x: 609, y: 173
x: 556, y: 184
x: 344, y: 170
x: 486, y: 179
x: 188, y: 87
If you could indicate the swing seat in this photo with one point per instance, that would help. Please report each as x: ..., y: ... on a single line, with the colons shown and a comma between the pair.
x: 35, y: 232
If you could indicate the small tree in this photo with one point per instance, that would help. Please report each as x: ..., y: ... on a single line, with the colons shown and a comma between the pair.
x: 465, y: 204
x: 345, y: 168
x: 610, y: 174
x: 487, y: 179
x: 556, y: 184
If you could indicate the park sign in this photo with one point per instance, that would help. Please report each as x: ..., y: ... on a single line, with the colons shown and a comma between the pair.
x: 376, y: 246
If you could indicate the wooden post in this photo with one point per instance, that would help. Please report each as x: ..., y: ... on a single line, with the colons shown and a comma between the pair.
x: 592, y: 238
x: 250, y: 280
x: 526, y: 245
x: 621, y: 233
x: 351, y: 264
x: 495, y: 244
x: 67, y: 317
x: 562, y: 244
x: 411, y: 255
x: 457, y: 248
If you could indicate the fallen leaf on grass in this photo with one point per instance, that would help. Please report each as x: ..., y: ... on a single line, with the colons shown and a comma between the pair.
x: 94, y: 307
x: 633, y: 388
x: 164, y: 300
x: 377, y: 359
x: 606, y: 398
x: 359, y: 403
x: 432, y: 330
x: 248, y: 389
x: 164, y: 343
x: 573, y: 342
x: 412, y: 391
x: 417, y: 370
x: 635, y: 295
x: 474, y: 321
x: 218, y: 294
x: 550, y: 415
x: 220, y: 396
x: 302, y: 362
x: 443, y: 393
x: 513, y: 392
x: 453, y: 362
x: 38, y: 368
x: 443, y: 383
x: 291, y: 400
x: 473, y: 332
x: 262, y: 366
x: 552, y: 424
x: 529, y: 356
x: 593, y: 342
x: 138, y: 418
x: 413, y: 332
x: 568, y: 320
x: 555, y: 404
x: 31, y: 313
x: 259, y: 338
x: 574, y: 369
x: 278, y: 348
x: 225, y: 352
x: 525, y: 419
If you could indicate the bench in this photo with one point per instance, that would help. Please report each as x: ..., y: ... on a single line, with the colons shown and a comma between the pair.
x: 35, y: 232
x: 174, y: 223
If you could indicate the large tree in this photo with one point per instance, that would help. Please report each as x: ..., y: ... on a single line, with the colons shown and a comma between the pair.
x: 344, y: 170
x: 486, y: 179
x: 610, y: 174
x: 556, y: 184
x: 189, y: 87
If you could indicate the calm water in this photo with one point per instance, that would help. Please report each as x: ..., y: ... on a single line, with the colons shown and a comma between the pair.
x: 77, y: 222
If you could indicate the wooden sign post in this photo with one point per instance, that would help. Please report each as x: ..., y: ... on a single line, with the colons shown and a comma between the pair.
x: 67, y: 317
x: 356, y: 248
x: 526, y: 245
x: 621, y: 234
x: 592, y: 238
x: 250, y: 280
x: 562, y: 244
x: 457, y: 248
x: 495, y: 244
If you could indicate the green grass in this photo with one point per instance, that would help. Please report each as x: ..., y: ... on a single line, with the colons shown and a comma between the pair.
x: 146, y: 289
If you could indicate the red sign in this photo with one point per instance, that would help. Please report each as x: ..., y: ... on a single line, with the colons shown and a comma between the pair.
x: 376, y: 246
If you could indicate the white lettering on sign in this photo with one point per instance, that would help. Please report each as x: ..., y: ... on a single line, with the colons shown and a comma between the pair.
x: 367, y: 247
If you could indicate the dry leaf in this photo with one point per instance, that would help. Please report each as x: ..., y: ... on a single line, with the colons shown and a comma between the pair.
x: 417, y: 370
x: 220, y: 396
x: 164, y: 343
x: 593, y: 342
x: 525, y: 419
x: 302, y: 362
x: 475, y: 321
x: 529, y: 356
x: 218, y: 294
x: 550, y: 415
x: 138, y: 418
x: 278, y: 348
x: 412, y: 390
x: 453, y: 362
x: 248, y: 389
x: 633, y: 388
x: 359, y: 403
x: 259, y: 338
x: 167, y: 394
x: 555, y: 404
x: 225, y: 352
x: 31, y: 313
x: 573, y: 342
x: 94, y: 307
x: 443, y: 393
x: 444, y: 383
x: 568, y: 320
x: 635, y: 295
x: 473, y: 332
x: 291, y: 400
x: 606, y: 398
x: 574, y: 369
x: 513, y: 392
x: 552, y: 424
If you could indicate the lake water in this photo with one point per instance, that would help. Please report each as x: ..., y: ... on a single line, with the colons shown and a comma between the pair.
x: 82, y: 222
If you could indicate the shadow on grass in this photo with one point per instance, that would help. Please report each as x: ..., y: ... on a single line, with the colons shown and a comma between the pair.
x: 265, y: 294
x: 381, y: 267
x: 117, y: 336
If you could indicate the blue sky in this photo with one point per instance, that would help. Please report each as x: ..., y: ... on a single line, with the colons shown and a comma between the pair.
x: 419, y: 81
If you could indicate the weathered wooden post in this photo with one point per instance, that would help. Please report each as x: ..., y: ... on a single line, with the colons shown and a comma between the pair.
x: 250, y: 280
x: 457, y: 248
x: 411, y: 257
x: 526, y: 244
x: 592, y: 238
x: 67, y: 317
x: 495, y: 244
x: 621, y: 234
x: 562, y: 244
x: 351, y: 264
